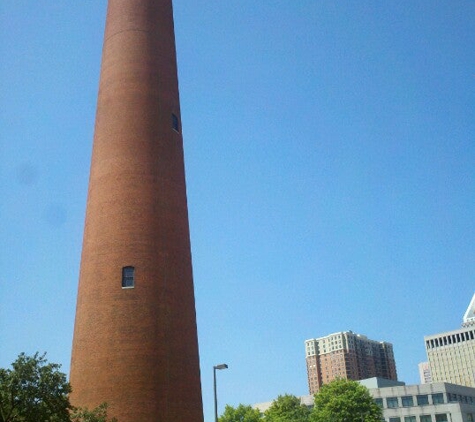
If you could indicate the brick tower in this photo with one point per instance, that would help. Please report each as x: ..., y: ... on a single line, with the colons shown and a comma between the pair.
x: 135, y: 340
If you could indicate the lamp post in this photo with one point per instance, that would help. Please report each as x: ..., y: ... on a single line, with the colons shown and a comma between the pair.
x: 220, y: 366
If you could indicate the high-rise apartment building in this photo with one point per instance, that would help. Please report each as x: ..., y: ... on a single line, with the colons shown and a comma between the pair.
x: 135, y: 340
x: 451, y: 354
x: 347, y: 355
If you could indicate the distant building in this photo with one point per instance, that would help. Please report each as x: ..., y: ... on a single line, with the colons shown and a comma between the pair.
x: 469, y: 316
x: 434, y: 402
x: 424, y: 373
x: 304, y: 401
x: 377, y: 382
x: 451, y: 354
x: 349, y: 356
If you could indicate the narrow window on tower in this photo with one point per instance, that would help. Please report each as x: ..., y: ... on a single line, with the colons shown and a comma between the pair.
x: 175, y: 124
x: 128, y: 277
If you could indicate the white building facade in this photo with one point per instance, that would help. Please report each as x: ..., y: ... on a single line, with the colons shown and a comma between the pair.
x: 434, y: 402
x: 451, y: 354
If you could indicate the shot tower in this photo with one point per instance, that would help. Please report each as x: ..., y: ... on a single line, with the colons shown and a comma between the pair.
x: 135, y: 340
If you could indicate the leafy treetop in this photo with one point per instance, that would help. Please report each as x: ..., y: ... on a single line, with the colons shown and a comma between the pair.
x: 339, y: 401
x: 99, y: 414
x: 345, y: 401
x: 287, y: 408
x: 241, y: 413
x: 34, y: 390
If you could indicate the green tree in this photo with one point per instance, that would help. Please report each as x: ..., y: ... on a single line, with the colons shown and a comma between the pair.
x: 287, y: 408
x: 99, y: 414
x: 345, y: 401
x: 241, y: 413
x: 34, y: 390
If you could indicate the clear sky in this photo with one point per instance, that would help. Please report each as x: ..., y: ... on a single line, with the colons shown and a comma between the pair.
x: 330, y: 163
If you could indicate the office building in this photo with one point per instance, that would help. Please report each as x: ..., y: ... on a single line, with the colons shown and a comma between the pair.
x: 433, y: 402
x: 347, y: 355
x: 451, y: 355
x: 135, y: 341
x: 469, y: 316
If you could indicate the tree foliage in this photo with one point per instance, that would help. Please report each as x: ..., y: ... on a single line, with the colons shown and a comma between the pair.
x: 339, y: 401
x: 241, y: 413
x: 345, y: 401
x: 34, y: 390
x: 99, y: 414
x: 287, y: 408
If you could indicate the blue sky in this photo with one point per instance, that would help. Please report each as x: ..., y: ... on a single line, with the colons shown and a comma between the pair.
x: 330, y: 163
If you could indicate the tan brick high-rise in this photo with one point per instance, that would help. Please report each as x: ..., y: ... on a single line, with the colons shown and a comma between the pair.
x: 135, y: 340
x: 347, y: 355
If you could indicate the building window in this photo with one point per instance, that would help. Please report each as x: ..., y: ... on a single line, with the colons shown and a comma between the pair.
x: 437, y: 398
x: 379, y: 402
x: 407, y: 401
x: 394, y: 419
x: 425, y: 418
x: 392, y: 402
x: 470, y: 417
x: 175, y: 123
x: 409, y: 419
x: 422, y: 400
x: 452, y: 397
x: 441, y: 417
x: 128, y: 277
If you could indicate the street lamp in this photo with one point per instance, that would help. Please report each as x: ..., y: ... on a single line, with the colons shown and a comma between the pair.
x: 220, y: 366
